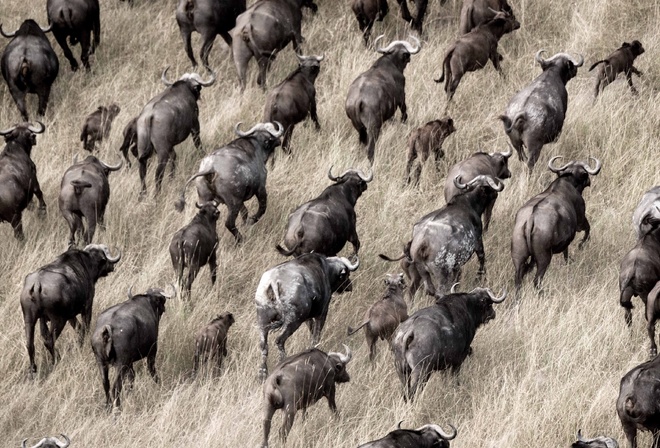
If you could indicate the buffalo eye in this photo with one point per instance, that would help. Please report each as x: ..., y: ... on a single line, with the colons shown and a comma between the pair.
x: 339, y: 367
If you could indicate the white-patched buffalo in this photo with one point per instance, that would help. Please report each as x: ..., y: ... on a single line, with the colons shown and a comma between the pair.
x: 648, y: 208
x: 425, y: 141
x: 49, y: 442
x: 29, y: 65
x: 476, y: 12
x: 439, y: 337
x: 97, y: 126
x: 59, y: 291
x: 376, y: 94
x: 77, y: 20
x: 367, y: 13
x: 427, y: 436
x: 324, y: 225
x: 546, y: 224
x: 300, y: 381
x: 126, y: 333
x: 596, y: 442
x: 535, y: 115
x: 298, y: 291
x: 18, y: 175
x: 211, y: 341
x: 620, y: 61
x: 236, y: 172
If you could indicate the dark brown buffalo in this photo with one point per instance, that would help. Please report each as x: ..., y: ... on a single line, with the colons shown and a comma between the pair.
x: 324, y: 225
x: 292, y: 100
x: 211, y: 341
x: 439, y: 337
x: 29, y: 65
x: 367, y: 13
x: 126, y: 333
x: 652, y: 315
x: 97, y: 126
x: 620, y: 61
x: 209, y: 18
x: 428, y: 436
x: 18, y: 175
x: 49, y: 442
x: 376, y: 94
x: 495, y: 164
x: 77, y: 20
x: 195, y: 245
x: 637, y: 405
x: 425, y: 141
x: 647, y: 209
x: 84, y: 193
x: 476, y: 12
x: 421, y: 6
x: 130, y: 141
x: 59, y: 291
x: 472, y: 51
x: 300, y: 381
x: 546, y: 224
x: 382, y: 318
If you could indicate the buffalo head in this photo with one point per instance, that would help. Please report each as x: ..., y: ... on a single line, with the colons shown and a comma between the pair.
x: 28, y: 28
x: 399, y: 50
x: 436, y: 436
x: 353, y: 177
x: 501, y: 163
x: 193, y: 80
x: 578, y: 171
x: 340, y: 271
x: 49, y: 442
x: 267, y: 135
x: 310, y: 66
x: 23, y: 134
x: 563, y: 62
x: 209, y: 209
x: 103, y: 260
x: 340, y: 360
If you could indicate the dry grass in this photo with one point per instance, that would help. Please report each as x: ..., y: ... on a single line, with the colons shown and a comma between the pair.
x: 538, y: 373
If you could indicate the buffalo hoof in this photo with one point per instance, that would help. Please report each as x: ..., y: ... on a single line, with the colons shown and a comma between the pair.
x: 251, y: 221
x: 41, y: 212
x: 653, y: 353
x: 142, y: 195
x: 263, y: 374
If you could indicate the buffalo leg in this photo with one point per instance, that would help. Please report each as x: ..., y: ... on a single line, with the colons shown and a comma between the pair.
x: 587, y: 229
x: 371, y: 341
x: 123, y: 372
x: 197, y: 141
x: 415, y: 279
x: 481, y: 256
x: 425, y: 277
x: 625, y: 300
x: 244, y: 213
x: 91, y: 228
x: 160, y: 169
x: 631, y: 434
x: 650, y: 327
x: 103, y: 368
x: 630, y: 83
x: 354, y: 240
x: 534, y: 150
x: 332, y: 404
x: 269, y: 410
x: 488, y: 213
x: 186, y: 33
x: 17, y: 225
x: 193, y: 270
x: 405, y: 12
x: 29, y: 343
x: 143, y: 174
x: 56, y: 327
x: 61, y: 40
x: 419, y: 20
x: 226, y: 37
x: 85, y: 43
x: 414, y: 179
x: 43, y: 100
x: 41, y: 212
x: 19, y: 99
x: 286, y: 333
x: 418, y: 379
x: 289, y: 414
x: 286, y: 139
x: 242, y: 55
x: 542, y: 262
x: 213, y: 266
x: 371, y: 143
x: 263, y: 345
x: 264, y: 68
x: 172, y: 164
x: 151, y: 365
x: 207, y: 38
x: 318, y: 325
x: 230, y: 222
x: 262, y: 199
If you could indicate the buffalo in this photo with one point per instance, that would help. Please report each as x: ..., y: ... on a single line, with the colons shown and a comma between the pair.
x: 130, y: 141
x: 495, y: 164
x: 236, y: 172
x: 597, y: 442
x: 49, y: 442
x: 194, y: 245
x: 427, y: 436
x: 367, y: 13
x: 126, y: 333
x: 382, y: 318
x: 444, y: 240
x: 166, y: 121
x: 84, y: 193
x: 211, y: 341
x: 472, y: 51
x: 77, y: 20
x: 535, y: 115
x: 425, y: 141
x: 29, y: 65
x: 652, y: 315
x: 18, y: 175
x: 292, y: 100
x: 298, y: 291
x: 416, y: 22
x: 59, y: 291
x: 547, y: 223
x: 476, y: 12
x: 620, y: 61
x: 97, y: 126
x: 646, y: 209
x: 209, y: 18
x: 300, y: 381
x: 439, y: 337
x: 324, y: 225
x: 375, y: 95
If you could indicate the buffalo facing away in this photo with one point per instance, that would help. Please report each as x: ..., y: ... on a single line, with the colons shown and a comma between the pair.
x: 418, y: 21
x: 298, y: 291
x: 167, y: 120
x: 29, y: 65
x: 535, y: 115
x: 209, y: 18
x: 620, y: 61
x: 97, y: 126
x: 647, y: 209
x: 84, y: 193
x: 59, y: 291
x: 596, y: 442
x: 439, y: 337
x: 300, y: 381
x: 324, y: 225
x: 211, y: 341
x: 236, y: 172
x: 427, y: 436
x: 473, y: 50
x: 425, y: 141
x: 130, y: 141
x: 18, y: 175
x: 547, y: 223
x: 126, y: 333
x: 49, y: 442
x: 476, y: 12
x: 77, y: 20
x: 382, y: 318
x: 375, y: 95
x: 367, y: 13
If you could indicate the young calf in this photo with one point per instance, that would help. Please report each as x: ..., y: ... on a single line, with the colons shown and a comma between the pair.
x: 97, y: 125
x: 620, y: 61
x: 425, y: 141
x: 211, y: 341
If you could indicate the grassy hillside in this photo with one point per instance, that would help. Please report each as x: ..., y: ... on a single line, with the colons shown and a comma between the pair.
x: 539, y: 372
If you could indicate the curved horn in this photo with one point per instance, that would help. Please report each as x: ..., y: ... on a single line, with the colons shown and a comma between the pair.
x: 198, y: 205
x: 63, y: 445
x: 552, y: 168
x: 173, y: 295
x: 398, y: 425
x: 579, y: 62
x: 365, y: 178
x: 110, y: 258
x: 453, y: 287
x: 506, y: 155
x: 111, y: 167
x: 272, y: 131
x: 458, y: 183
x: 440, y: 431
x: 592, y: 171
x: 36, y: 130
x: 579, y: 436
x: 46, y: 30
x: 538, y: 57
x: 495, y: 183
x: 493, y: 10
x: 7, y: 131
x: 410, y: 48
x: 347, y: 263
x: 129, y: 293
x: 345, y: 359
x: 24, y: 444
x: 319, y: 58
x: 211, y: 80
x: 330, y: 176
x: 494, y: 299
x: 376, y: 41
x: 8, y: 35
x: 163, y: 77
x: 248, y: 133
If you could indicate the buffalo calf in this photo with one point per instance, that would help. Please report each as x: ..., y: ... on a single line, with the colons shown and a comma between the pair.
x: 620, y: 61
x: 97, y: 126
x: 425, y: 141
x: 211, y: 341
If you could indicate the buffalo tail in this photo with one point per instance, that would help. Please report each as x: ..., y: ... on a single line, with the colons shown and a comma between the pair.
x: 106, y: 338
x: 352, y: 331
x: 596, y: 64
x: 180, y: 204
x: 386, y: 258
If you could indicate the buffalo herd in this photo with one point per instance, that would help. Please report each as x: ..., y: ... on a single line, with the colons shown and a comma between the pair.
x: 300, y: 289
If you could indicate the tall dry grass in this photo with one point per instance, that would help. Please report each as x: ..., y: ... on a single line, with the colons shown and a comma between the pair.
x: 538, y: 373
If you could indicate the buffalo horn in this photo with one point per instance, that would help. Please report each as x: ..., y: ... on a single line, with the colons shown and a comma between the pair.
x: 7, y: 131
x: 398, y: 425
x: 494, y: 299
x: 111, y: 259
x: 277, y: 133
x: 164, y: 77
x: 408, y: 46
x: 376, y: 41
x: 24, y: 444
x: 345, y: 359
x: 363, y: 177
x: 112, y: 167
x: 579, y: 436
x: 63, y: 444
x: 169, y: 296
x: 46, y: 30
x: 36, y: 130
x: 579, y: 62
x: 211, y: 79
x: 440, y: 431
x: 347, y: 263
x: 7, y: 35
x: 494, y: 11
x: 75, y: 159
x: 592, y: 171
x: 330, y: 176
x: 245, y: 134
x: 507, y: 154
x: 129, y: 294
x: 552, y: 168
x: 302, y: 58
x: 495, y: 184
x: 538, y: 57
x: 453, y: 288
x: 458, y: 184
x: 198, y: 205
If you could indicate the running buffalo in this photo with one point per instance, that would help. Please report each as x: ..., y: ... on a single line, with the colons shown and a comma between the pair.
x: 77, y: 20
x: 427, y: 436
x: 18, y: 175
x: 59, y: 291
x: 421, y: 6
x: 167, y: 120
x: 367, y: 13
x: 439, y: 337
x: 298, y: 291
x: 535, y: 115
x: 476, y: 12
x: 236, y: 172
x: 211, y: 341
x: 646, y: 210
x: 547, y: 223
x: 375, y: 95
x: 621, y: 61
x: 425, y: 141
x: 324, y: 225
x: 29, y: 65
x: 97, y: 126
